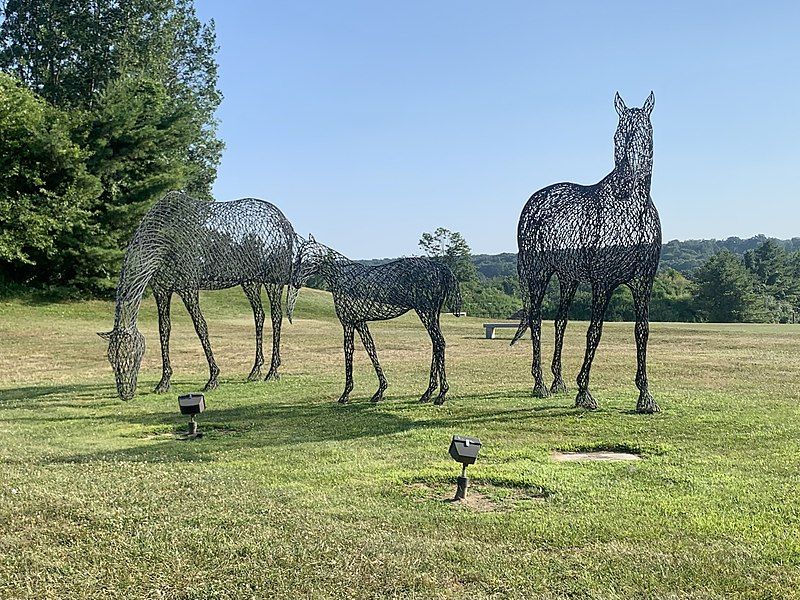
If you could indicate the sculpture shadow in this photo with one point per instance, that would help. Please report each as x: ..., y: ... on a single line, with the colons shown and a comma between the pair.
x: 53, y: 395
x: 283, y: 425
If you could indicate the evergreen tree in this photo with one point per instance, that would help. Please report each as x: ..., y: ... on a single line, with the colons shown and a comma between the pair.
x: 135, y: 133
x: 138, y: 78
x: 69, y: 51
x: 725, y: 291
x: 768, y: 264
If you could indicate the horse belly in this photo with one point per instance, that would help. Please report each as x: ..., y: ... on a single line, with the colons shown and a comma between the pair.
x: 358, y: 309
x: 555, y: 231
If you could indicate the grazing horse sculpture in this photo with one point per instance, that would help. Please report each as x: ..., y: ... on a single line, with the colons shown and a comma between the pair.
x: 183, y: 245
x: 606, y: 234
x: 362, y: 293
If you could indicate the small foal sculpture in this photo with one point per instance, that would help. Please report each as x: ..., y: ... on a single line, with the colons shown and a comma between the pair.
x: 606, y: 234
x: 362, y: 294
x: 183, y: 245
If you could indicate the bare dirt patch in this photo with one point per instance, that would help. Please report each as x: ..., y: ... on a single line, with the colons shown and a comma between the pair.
x: 481, y: 496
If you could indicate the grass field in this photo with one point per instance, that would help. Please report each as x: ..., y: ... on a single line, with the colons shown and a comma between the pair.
x: 291, y: 495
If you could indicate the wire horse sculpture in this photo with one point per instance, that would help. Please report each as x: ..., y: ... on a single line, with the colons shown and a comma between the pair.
x: 378, y: 293
x: 606, y: 234
x: 183, y: 245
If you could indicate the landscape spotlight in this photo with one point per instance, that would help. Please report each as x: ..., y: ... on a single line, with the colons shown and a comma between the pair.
x: 464, y: 450
x: 192, y: 404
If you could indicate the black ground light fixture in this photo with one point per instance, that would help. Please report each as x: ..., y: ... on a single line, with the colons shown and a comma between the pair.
x: 464, y: 450
x: 192, y: 404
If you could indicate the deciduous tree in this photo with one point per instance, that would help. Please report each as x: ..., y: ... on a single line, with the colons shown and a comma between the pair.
x: 46, y: 192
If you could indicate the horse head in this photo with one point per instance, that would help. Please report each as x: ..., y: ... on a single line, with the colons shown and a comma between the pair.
x: 307, y: 262
x: 633, y: 140
x: 125, y: 351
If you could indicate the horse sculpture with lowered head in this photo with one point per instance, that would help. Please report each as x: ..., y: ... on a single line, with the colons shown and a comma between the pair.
x: 606, y: 235
x: 377, y: 293
x: 183, y: 245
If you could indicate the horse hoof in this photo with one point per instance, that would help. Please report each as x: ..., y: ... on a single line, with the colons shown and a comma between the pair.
x: 540, y: 391
x: 211, y: 385
x: 647, y: 404
x: 558, y: 387
x: 344, y: 400
x: 425, y: 398
x: 585, y: 400
x: 439, y: 401
x: 161, y: 388
x: 272, y: 376
x: 255, y: 375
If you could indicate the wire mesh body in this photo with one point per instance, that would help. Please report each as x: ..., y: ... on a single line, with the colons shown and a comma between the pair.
x: 182, y: 246
x: 377, y: 293
x: 606, y: 235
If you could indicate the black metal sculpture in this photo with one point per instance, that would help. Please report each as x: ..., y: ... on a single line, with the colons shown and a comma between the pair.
x: 605, y: 235
x: 362, y: 294
x: 183, y: 245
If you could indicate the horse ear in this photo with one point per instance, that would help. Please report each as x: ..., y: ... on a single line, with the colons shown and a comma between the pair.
x: 106, y: 335
x: 311, y: 238
x: 619, y: 104
x: 649, y: 103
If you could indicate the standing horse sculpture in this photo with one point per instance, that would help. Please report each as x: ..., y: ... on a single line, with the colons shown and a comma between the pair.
x: 183, y: 245
x: 362, y: 294
x: 605, y: 235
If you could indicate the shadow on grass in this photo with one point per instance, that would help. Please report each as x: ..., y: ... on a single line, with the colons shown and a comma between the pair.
x: 282, y: 425
x: 54, y: 394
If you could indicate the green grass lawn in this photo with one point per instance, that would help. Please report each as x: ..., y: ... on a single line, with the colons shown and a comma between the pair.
x: 292, y: 495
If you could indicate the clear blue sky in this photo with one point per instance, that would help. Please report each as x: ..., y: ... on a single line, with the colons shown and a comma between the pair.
x: 370, y: 122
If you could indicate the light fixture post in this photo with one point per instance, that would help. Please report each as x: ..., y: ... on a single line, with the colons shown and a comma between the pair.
x: 192, y: 404
x: 464, y: 450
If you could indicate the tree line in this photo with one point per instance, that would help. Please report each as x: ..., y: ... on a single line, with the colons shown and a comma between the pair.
x: 761, y: 284
x: 107, y: 105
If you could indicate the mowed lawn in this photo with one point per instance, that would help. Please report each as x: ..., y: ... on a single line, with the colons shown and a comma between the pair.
x: 290, y: 495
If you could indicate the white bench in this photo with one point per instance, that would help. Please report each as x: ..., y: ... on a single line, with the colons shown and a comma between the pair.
x: 490, y: 327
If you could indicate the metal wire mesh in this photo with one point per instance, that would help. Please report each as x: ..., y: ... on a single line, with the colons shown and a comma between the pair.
x: 376, y: 293
x: 183, y: 245
x: 606, y: 235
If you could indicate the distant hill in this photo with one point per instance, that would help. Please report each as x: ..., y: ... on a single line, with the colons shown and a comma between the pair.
x: 684, y: 256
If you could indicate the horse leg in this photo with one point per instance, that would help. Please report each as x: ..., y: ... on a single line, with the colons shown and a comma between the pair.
x: 537, y: 287
x: 275, y: 293
x: 163, y: 300
x: 253, y: 293
x: 438, y: 351
x: 191, y: 300
x: 567, y: 294
x: 641, y: 301
x: 434, y: 375
x: 369, y: 346
x: 348, y: 362
x: 600, y: 299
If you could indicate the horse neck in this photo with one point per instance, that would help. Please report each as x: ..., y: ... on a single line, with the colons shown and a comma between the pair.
x: 332, y: 267
x: 139, y: 265
x: 634, y: 186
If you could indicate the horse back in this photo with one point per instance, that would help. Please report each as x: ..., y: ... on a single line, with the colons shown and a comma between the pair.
x: 216, y: 245
x: 389, y: 290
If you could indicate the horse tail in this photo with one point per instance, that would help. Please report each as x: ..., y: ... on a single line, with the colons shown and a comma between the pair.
x: 523, y: 327
x: 452, y: 293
